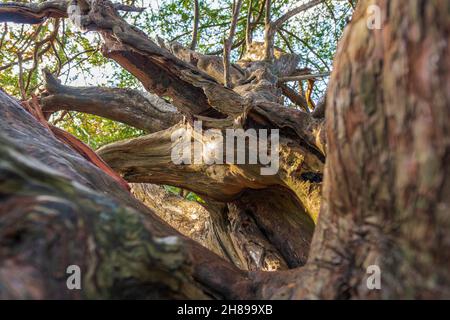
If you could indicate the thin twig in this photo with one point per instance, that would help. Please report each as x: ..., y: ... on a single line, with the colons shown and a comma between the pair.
x: 286, y: 41
x: 291, y: 13
x: 199, y: 28
x: 21, y: 88
x: 272, y: 27
x: 5, y: 31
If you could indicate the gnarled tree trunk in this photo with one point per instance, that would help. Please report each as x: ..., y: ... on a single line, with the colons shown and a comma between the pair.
x: 385, y: 191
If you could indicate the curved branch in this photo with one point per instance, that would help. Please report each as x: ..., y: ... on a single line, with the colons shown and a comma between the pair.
x: 138, y: 109
x: 191, y: 90
x: 248, y: 26
x: 228, y: 43
x: 294, y: 97
x: 271, y: 27
x: 275, y: 25
x: 32, y: 13
x: 149, y: 159
x: 36, y: 13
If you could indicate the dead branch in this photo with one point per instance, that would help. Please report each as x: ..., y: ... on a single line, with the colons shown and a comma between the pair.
x: 137, y: 109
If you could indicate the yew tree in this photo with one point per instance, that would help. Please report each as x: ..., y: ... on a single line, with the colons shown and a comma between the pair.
x: 363, y: 175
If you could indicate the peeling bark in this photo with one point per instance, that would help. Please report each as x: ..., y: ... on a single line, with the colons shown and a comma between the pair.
x: 226, y: 229
x: 385, y: 191
x: 137, y: 109
x: 124, y: 250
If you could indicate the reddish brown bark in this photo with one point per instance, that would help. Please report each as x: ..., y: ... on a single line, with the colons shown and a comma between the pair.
x: 386, y: 191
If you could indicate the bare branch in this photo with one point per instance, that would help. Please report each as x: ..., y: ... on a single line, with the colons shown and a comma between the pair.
x: 137, y: 109
x: 147, y: 159
x: 286, y: 41
x: 267, y: 18
x: 196, y: 25
x: 305, y: 77
x: 32, y: 13
x: 127, y: 8
x: 228, y: 43
x: 4, y: 33
x: 50, y: 39
x: 248, y: 27
x: 268, y: 34
x: 251, y: 25
x: 192, y: 90
x: 277, y: 23
x: 235, y: 45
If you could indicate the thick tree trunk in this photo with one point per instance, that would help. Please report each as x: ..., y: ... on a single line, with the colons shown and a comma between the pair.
x: 385, y: 193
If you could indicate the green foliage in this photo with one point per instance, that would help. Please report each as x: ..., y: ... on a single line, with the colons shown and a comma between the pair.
x: 191, y: 196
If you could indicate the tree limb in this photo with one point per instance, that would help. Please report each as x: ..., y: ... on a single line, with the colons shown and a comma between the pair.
x: 195, y: 25
x: 271, y: 27
x: 140, y: 110
x: 226, y: 229
x: 191, y: 90
x: 294, y: 97
x: 248, y: 27
x: 305, y: 77
x: 228, y: 43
